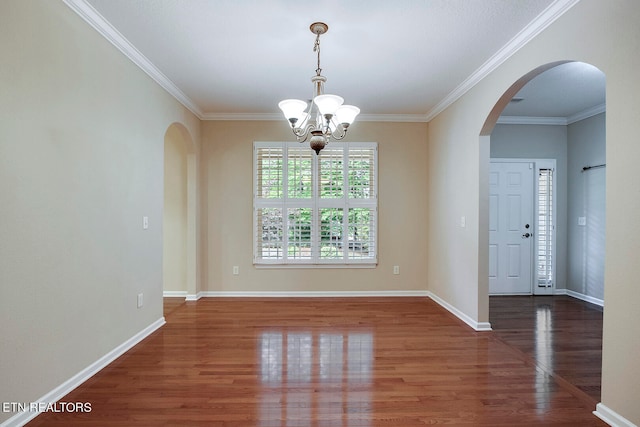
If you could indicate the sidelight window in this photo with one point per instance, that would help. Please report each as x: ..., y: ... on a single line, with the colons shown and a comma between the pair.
x: 546, y: 228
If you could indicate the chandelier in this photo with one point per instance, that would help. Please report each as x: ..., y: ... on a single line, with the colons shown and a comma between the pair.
x: 324, y: 117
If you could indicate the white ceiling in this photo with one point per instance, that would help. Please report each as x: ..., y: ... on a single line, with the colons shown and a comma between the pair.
x: 401, y: 59
x: 570, y: 91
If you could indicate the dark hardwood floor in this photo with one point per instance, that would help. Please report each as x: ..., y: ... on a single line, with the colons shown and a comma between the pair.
x: 322, y: 362
x: 561, y: 334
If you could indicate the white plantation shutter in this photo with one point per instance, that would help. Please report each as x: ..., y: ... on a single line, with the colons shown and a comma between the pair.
x: 315, y: 209
x: 546, y: 228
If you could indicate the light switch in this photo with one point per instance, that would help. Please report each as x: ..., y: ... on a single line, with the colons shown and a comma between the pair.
x: 582, y: 220
x: 145, y: 222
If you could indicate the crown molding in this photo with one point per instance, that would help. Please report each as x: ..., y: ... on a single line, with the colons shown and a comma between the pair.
x: 589, y: 112
x: 554, y: 121
x: 102, y: 26
x: 242, y: 116
x: 410, y: 118
x: 531, y: 120
x: 542, y: 21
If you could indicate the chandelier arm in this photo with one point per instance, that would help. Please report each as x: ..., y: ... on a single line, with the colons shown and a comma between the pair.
x: 303, y: 133
x: 341, y: 135
x: 339, y: 131
x: 321, y: 124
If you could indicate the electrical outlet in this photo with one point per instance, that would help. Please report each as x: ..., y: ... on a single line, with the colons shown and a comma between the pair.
x: 396, y: 269
x: 140, y: 300
x: 236, y: 270
x: 582, y: 220
x: 145, y: 222
x: 463, y: 221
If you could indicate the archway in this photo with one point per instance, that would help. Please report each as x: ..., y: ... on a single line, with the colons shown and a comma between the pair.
x: 579, y: 197
x: 179, y: 214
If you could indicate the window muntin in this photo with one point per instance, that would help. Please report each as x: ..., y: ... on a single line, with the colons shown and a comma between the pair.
x: 311, y: 209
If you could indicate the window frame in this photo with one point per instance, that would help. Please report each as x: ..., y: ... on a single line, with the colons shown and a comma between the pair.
x: 550, y: 252
x: 316, y: 204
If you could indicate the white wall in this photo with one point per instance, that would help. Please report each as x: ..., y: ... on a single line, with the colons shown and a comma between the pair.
x: 587, y: 196
x: 81, y: 162
x: 540, y: 142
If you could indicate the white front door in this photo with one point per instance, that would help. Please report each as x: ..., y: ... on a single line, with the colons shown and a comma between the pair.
x: 510, y: 227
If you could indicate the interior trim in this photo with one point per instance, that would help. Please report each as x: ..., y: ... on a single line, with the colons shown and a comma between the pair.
x: 309, y: 294
x: 546, y: 18
x: 174, y: 294
x: 69, y: 385
x: 553, y: 121
x: 611, y: 417
x: 100, y: 24
x: 478, y: 326
x: 578, y: 295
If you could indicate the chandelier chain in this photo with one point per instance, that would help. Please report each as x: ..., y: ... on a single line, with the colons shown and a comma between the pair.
x: 323, y: 117
x: 316, y: 48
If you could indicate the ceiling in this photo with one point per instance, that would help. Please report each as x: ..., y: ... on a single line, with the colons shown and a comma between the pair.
x: 401, y: 60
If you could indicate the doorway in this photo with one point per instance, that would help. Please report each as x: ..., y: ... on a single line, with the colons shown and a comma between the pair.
x: 179, y: 215
x: 571, y: 130
x: 522, y: 226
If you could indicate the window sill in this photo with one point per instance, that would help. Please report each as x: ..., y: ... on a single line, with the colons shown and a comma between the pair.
x: 268, y: 266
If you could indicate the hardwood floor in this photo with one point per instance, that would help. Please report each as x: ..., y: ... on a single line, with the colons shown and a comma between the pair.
x: 563, y: 335
x: 322, y: 362
x: 171, y: 304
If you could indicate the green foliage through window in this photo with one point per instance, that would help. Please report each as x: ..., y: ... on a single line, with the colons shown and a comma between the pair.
x: 315, y: 209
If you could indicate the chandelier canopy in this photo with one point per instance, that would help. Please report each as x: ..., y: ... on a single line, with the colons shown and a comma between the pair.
x: 323, y: 117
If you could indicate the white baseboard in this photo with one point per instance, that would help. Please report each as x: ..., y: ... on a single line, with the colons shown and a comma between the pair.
x: 22, y: 418
x: 580, y: 296
x: 478, y: 326
x: 611, y: 417
x: 174, y: 294
x: 309, y: 294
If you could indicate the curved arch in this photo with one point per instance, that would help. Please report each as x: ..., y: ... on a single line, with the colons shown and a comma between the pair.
x: 179, y: 212
x: 484, y: 141
x: 506, y: 97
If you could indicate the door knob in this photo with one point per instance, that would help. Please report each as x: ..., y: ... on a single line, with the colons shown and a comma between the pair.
x: 526, y: 235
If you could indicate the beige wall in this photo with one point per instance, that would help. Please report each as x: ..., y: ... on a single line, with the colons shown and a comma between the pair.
x: 604, y: 34
x: 227, y: 188
x: 81, y: 162
x: 174, y: 220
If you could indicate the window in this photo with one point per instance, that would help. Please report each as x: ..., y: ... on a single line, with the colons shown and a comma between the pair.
x: 315, y: 209
x: 546, y: 228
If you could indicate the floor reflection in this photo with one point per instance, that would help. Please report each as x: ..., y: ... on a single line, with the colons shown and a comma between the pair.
x: 307, y: 376
x: 543, y: 334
